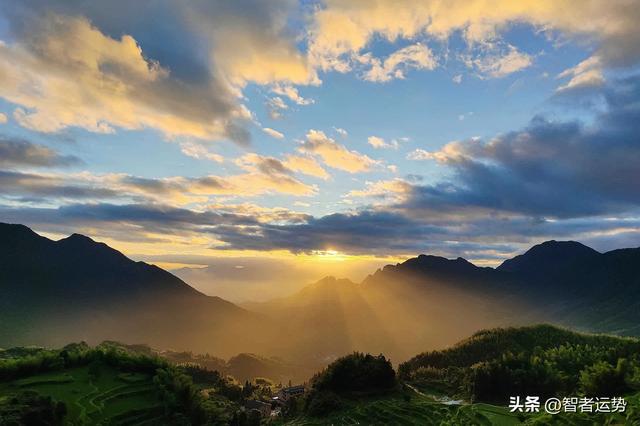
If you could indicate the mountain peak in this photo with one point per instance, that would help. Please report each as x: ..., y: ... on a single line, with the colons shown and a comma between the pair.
x: 438, y: 263
x: 547, y: 254
x: 331, y: 281
x: 78, y: 239
x: 14, y: 230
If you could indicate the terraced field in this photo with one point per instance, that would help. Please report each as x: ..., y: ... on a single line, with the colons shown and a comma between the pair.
x: 420, y: 410
x: 111, y: 397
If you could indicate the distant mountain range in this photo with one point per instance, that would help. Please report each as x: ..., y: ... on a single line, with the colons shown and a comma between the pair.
x: 53, y: 292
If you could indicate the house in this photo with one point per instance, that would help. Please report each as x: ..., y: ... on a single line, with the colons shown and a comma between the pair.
x: 263, y: 407
x: 290, y: 392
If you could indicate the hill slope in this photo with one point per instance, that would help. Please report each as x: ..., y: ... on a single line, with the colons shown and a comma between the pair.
x: 78, y: 289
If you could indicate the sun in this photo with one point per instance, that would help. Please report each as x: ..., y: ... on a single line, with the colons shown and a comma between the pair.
x: 329, y: 255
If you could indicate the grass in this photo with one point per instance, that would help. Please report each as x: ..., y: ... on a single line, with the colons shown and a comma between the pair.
x: 112, y: 397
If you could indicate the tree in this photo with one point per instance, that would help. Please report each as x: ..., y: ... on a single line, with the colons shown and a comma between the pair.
x: 603, y: 379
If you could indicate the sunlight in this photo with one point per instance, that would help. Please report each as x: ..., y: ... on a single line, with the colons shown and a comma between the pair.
x: 330, y: 255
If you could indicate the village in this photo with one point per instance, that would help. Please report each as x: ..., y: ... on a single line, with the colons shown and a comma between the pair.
x: 283, y: 400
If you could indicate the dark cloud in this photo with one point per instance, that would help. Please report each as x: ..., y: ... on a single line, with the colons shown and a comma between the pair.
x: 366, y: 232
x: 552, y: 169
x: 44, y: 187
x: 18, y: 152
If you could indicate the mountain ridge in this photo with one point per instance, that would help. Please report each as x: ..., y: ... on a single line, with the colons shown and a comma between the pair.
x: 78, y: 289
x: 89, y: 290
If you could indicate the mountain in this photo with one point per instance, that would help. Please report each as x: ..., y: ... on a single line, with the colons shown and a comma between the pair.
x: 431, y: 301
x: 550, y: 257
x: 74, y: 289
x: 79, y: 268
x: 561, y: 281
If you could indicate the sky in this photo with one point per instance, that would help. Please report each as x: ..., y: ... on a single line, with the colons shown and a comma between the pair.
x: 320, y: 137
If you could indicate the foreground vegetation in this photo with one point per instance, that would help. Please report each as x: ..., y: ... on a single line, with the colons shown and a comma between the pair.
x: 469, y: 383
x: 102, y: 385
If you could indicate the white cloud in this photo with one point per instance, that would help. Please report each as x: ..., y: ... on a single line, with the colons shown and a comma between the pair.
x: 419, y: 154
x: 457, y: 79
x: 341, y: 28
x: 380, y: 143
x: 335, y: 155
x: 275, y: 107
x: 587, y: 73
x: 417, y: 56
x: 273, y: 133
x: 342, y: 132
x: 496, y: 63
x: 196, y: 150
x: 388, y: 190
x: 291, y: 93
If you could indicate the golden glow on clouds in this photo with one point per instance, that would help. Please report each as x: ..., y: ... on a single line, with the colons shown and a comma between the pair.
x: 89, y: 80
x: 306, y: 165
x: 342, y: 30
x: 390, y: 190
x: 417, y: 56
x: 335, y: 155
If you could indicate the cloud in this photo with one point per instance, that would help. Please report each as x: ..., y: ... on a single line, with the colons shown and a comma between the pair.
x: 291, y: 93
x: 341, y: 29
x: 19, y: 152
x: 457, y: 78
x: 251, y: 41
x: 587, y: 73
x: 306, y: 165
x: 3, y: 118
x: 335, y: 155
x: 273, y: 133
x: 200, y: 152
x: 383, y: 232
x: 262, y: 175
x: 495, y: 63
x: 419, y: 154
x: 268, y: 174
x: 40, y: 187
x: 417, y: 56
x: 176, y: 67
x: 550, y: 169
x: 379, y: 143
x: 275, y: 107
x: 395, y: 190
x: 89, y: 80
x: 342, y: 132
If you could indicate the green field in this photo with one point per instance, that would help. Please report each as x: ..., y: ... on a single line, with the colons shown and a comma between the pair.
x: 419, y: 410
x: 110, y: 397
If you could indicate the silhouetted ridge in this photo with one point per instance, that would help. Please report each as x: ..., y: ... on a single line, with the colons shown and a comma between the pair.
x: 85, y: 289
x: 17, y: 236
x: 549, y: 255
x: 457, y: 272
x: 78, y: 265
x: 438, y: 264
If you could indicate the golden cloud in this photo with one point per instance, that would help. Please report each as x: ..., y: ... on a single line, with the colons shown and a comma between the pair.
x: 335, y: 155
x: 68, y: 73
